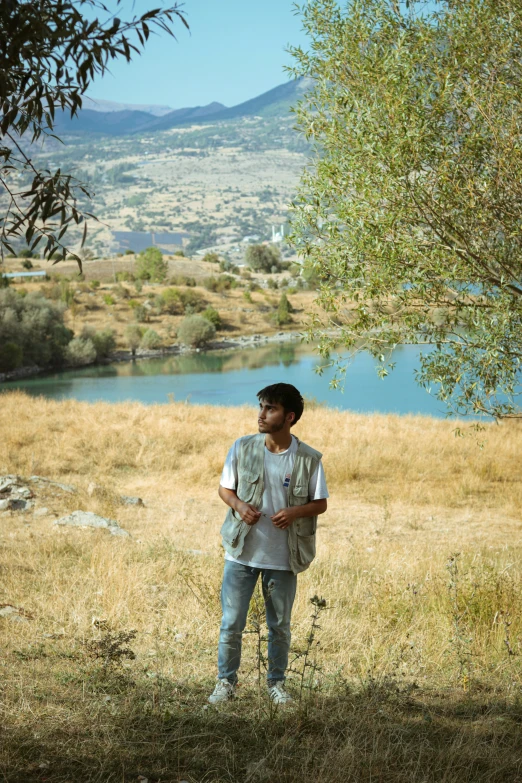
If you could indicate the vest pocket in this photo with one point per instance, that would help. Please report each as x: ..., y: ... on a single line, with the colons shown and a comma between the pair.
x: 231, y: 529
x: 300, y: 494
x: 305, y: 548
x: 247, y: 486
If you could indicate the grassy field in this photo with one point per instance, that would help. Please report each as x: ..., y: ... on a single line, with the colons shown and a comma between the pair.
x: 413, y: 675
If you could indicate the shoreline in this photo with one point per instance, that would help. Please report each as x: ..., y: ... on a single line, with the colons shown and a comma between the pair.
x: 243, y: 341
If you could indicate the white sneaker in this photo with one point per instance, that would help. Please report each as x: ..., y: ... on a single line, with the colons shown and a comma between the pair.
x: 278, y: 694
x: 224, y: 691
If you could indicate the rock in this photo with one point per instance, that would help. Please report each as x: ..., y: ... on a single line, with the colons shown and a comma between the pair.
x: 13, y: 488
x: 41, y: 512
x: 89, y: 519
x: 128, y: 500
x: 13, y: 613
x: 14, y: 504
x: 65, y: 487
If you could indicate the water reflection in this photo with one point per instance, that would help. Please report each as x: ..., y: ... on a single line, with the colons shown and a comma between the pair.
x: 234, y: 377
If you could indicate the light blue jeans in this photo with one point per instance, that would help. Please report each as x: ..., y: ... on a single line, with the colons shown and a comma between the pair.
x: 279, y: 588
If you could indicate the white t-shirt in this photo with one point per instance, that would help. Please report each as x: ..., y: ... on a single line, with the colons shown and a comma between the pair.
x: 266, y: 546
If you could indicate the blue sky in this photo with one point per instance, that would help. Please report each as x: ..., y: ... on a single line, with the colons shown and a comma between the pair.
x: 235, y: 50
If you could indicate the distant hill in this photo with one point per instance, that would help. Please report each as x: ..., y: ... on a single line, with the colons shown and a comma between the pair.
x: 115, y: 122
x: 98, y: 104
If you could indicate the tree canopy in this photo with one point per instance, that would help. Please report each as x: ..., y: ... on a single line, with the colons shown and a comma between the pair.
x: 51, y: 52
x: 410, y: 209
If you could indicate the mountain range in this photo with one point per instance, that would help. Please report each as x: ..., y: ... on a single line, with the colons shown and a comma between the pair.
x: 110, y: 119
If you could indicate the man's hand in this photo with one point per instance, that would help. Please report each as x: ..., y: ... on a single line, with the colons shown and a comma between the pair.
x: 248, y: 513
x: 285, y: 517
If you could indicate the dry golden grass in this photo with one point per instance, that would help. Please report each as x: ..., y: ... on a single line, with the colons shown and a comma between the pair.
x: 420, y: 649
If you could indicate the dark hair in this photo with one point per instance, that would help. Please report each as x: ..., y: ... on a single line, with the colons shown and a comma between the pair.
x: 286, y: 395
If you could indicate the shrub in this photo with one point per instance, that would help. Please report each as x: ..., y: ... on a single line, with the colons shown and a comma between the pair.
x: 247, y: 296
x: 129, y: 252
x: 121, y: 291
x: 282, y: 316
x: 27, y: 264
x: 104, y: 342
x: 80, y: 351
x: 263, y: 258
x: 211, y: 258
x: 141, y: 313
x: 179, y: 252
x: 192, y: 301
x: 25, y: 253
x: 196, y: 331
x: 151, y: 266
x: 272, y: 283
x: 124, y: 277
x: 133, y: 334
x: 66, y: 293
x: 95, y: 284
x: 213, y: 316
x: 183, y: 280
x: 109, y: 299
x: 11, y: 356
x: 138, y: 285
x: 172, y: 301
x: 133, y: 303
x: 150, y: 339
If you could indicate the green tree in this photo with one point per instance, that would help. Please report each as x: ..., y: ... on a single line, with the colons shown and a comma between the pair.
x: 263, y: 258
x: 150, y: 340
x: 151, y: 266
x: 196, y: 331
x: 132, y: 335
x: 35, y: 325
x: 282, y: 315
x: 51, y: 53
x: 410, y: 210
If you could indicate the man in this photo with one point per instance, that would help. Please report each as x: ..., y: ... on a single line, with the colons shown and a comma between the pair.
x: 275, y: 487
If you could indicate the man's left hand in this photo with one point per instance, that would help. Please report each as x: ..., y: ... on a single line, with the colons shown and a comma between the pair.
x: 284, y: 518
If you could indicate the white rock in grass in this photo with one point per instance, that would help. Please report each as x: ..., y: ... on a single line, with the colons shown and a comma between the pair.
x: 89, y: 519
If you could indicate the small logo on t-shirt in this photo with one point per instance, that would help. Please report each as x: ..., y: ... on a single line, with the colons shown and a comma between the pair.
x: 286, y: 482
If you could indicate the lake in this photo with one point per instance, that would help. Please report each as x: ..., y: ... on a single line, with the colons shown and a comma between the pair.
x: 233, y: 378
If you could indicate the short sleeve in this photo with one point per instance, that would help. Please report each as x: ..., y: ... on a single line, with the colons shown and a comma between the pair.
x: 317, y: 489
x: 229, y: 474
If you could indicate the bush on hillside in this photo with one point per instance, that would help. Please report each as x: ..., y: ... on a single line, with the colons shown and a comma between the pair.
x: 282, y: 316
x: 213, y: 317
x: 211, y: 258
x: 192, y: 301
x: 35, y: 325
x: 150, y: 340
x: 141, y: 313
x: 151, y: 266
x: 172, y: 301
x: 263, y: 258
x: 195, y: 331
x: 80, y: 351
x: 104, y: 341
x: 183, y: 280
x: 133, y: 334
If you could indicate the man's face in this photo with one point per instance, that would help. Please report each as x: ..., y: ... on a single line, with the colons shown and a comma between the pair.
x: 271, y: 417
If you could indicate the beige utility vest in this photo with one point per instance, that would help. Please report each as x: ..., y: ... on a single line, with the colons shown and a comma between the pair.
x: 251, y: 472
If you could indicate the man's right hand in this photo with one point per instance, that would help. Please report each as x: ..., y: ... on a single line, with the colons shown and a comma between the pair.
x: 248, y: 513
